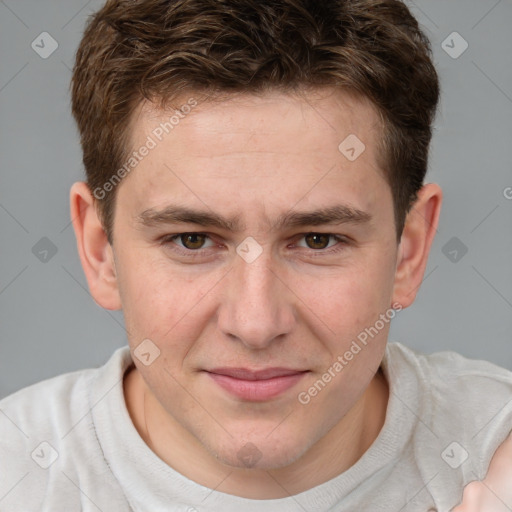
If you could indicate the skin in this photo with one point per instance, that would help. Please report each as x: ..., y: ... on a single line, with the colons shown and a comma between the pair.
x: 494, y: 492
x: 297, y: 306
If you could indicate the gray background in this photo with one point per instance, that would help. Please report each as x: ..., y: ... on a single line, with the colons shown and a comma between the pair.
x: 49, y: 324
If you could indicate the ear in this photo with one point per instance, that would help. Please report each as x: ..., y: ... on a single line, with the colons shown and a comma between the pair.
x: 95, y: 251
x: 418, y: 234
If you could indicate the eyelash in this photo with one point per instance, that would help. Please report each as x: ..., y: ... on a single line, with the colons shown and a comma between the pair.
x: 190, y: 253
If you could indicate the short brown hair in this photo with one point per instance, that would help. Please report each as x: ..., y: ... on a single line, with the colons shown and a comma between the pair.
x: 136, y: 50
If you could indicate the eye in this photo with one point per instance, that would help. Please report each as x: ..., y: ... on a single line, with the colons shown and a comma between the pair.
x: 320, y: 241
x: 193, y: 244
x: 190, y: 241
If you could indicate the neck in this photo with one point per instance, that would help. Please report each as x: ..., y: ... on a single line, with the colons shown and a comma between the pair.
x: 336, y: 452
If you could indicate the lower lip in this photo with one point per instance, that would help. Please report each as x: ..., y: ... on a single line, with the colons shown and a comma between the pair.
x: 257, y: 390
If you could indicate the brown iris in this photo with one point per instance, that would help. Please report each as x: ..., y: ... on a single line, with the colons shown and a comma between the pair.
x: 314, y: 240
x: 193, y: 240
x: 317, y: 240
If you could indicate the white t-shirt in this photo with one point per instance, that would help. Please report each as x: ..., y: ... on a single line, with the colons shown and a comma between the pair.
x: 68, y: 444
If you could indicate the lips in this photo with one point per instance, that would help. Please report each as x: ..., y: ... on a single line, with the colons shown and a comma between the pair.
x: 256, y: 386
x: 244, y: 374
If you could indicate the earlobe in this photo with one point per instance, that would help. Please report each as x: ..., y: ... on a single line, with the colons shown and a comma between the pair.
x: 416, y: 241
x: 96, y: 254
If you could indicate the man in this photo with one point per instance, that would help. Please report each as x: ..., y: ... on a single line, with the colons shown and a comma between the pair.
x: 255, y: 204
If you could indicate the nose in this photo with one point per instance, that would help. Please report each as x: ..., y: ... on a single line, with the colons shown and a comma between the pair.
x: 258, y: 305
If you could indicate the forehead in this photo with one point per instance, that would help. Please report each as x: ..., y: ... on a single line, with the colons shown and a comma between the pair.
x: 319, y: 117
x: 267, y: 150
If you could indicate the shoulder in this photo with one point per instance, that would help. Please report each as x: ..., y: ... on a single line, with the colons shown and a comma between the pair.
x: 448, y: 375
x: 463, y: 411
x: 460, y: 395
x: 494, y: 492
x: 46, y: 432
x: 58, y: 395
x: 448, y: 363
x: 51, y: 404
x: 48, y: 407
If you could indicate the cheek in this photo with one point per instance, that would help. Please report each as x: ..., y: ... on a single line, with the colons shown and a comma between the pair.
x: 349, y: 297
x: 344, y: 312
x: 153, y: 297
x: 166, y: 305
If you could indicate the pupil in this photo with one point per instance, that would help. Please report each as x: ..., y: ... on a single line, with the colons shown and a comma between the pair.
x: 314, y: 240
x: 318, y: 239
x: 193, y: 244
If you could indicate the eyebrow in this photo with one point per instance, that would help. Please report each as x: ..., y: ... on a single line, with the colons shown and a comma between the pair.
x: 174, y: 214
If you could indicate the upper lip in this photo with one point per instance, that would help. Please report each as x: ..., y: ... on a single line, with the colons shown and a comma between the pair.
x: 245, y: 374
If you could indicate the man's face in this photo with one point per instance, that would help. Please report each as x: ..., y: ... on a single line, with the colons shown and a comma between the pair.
x: 266, y: 294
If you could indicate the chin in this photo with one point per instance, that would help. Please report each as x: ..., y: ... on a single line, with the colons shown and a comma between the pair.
x: 260, y: 451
